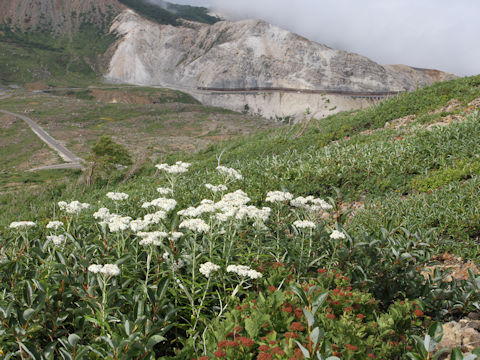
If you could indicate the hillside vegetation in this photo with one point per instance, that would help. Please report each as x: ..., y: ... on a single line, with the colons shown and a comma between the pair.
x: 150, y: 122
x: 256, y: 269
x: 44, y: 59
x: 169, y: 13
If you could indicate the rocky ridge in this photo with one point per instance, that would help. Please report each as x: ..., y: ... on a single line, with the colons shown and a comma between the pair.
x: 252, y: 55
x: 247, y: 54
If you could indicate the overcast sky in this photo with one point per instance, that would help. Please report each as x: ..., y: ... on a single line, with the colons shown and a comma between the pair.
x: 437, y: 34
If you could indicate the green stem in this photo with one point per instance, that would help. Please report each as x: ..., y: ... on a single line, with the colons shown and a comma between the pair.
x: 149, y: 259
x: 198, y: 310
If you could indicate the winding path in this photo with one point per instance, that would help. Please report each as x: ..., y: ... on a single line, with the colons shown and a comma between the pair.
x: 73, y: 161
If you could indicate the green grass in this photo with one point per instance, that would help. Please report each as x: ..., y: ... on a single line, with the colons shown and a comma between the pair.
x: 53, y: 60
x: 421, y: 191
x: 171, y: 13
x: 384, y: 167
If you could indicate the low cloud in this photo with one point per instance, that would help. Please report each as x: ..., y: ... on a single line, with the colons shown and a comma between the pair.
x: 438, y: 34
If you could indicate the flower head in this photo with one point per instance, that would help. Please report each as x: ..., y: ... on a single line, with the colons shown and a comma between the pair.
x: 336, y: 235
x: 162, y: 203
x: 164, y: 191
x: 229, y: 172
x: 178, y: 168
x: 54, y: 225
x: 310, y: 203
x: 117, y: 196
x: 152, y: 238
x: 73, y: 207
x: 195, y: 225
x: 22, y: 224
x: 107, y: 269
x: 56, y: 239
x: 207, y: 268
x: 278, y: 196
x: 245, y: 271
x: 218, y: 188
x: 102, y: 213
x: 304, y: 224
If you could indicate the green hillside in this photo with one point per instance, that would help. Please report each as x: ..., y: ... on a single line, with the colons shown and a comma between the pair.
x: 355, y: 273
x: 40, y: 57
x: 170, y: 13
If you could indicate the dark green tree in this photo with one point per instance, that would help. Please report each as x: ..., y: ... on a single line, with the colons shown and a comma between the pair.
x: 106, y: 156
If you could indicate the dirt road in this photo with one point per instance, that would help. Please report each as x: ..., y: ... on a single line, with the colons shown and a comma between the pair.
x: 73, y: 161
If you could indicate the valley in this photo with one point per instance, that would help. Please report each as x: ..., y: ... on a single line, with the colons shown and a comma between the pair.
x: 149, y: 121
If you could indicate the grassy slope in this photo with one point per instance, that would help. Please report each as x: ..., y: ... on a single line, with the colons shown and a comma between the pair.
x: 382, y: 169
x: 171, y: 13
x: 54, y: 61
x: 146, y: 120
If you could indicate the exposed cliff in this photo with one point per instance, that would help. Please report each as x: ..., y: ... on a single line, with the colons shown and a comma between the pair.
x: 246, y: 54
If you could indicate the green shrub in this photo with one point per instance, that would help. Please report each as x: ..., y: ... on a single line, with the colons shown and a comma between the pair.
x: 352, y: 325
x: 461, y: 170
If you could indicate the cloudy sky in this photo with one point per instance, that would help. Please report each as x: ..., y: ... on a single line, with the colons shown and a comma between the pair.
x: 438, y: 34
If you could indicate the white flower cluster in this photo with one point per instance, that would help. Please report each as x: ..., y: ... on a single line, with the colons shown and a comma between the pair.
x: 74, y: 207
x: 138, y: 225
x: 278, y: 196
x: 207, y: 268
x: 57, y: 240
x: 231, y: 173
x: 117, y: 196
x: 310, y: 203
x: 22, y: 224
x: 304, y: 224
x: 195, y: 225
x: 232, y: 205
x: 178, y: 168
x: 206, y: 206
x: 155, y: 218
x: 251, y: 212
x: 118, y: 222
x: 236, y: 198
x: 152, y: 237
x: 245, y: 271
x: 216, y: 188
x: 164, y: 191
x: 162, y: 203
x: 174, y: 235
x: 54, y: 225
x: 107, y: 269
x: 102, y: 213
x: 337, y: 235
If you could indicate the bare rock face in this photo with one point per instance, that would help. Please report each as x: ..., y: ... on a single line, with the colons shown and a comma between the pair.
x: 463, y: 334
x: 246, y: 54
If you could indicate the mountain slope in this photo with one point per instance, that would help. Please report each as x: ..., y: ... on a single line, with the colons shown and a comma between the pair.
x: 59, y: 17
x: 245, y: 54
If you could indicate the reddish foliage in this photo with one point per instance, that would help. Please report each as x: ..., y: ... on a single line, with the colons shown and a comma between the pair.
x: 245, y: 341
x: 220, y: 353
x: 297, y: 326
x: 351, y: 347
x: 291, y: 335
x: 264, y: 356
x: 264, y: 348
x: 418, y: 312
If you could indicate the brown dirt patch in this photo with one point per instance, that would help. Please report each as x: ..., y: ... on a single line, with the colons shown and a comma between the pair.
x: 36, y: 86
x: 459, y: 268
x: 6, y: 121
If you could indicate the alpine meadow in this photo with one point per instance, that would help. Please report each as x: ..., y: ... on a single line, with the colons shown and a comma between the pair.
x: 191, y: 225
